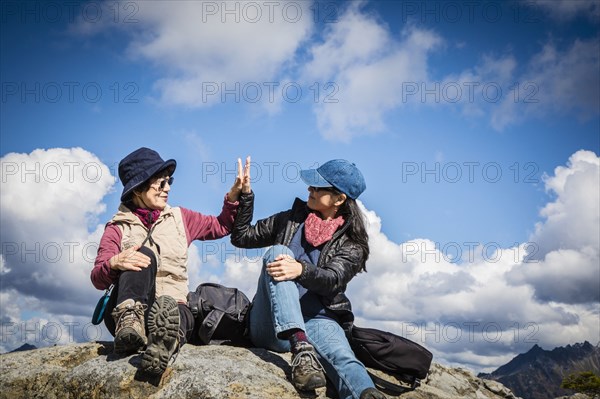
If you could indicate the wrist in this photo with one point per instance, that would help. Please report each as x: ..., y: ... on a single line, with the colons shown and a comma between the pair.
x: 302, y: 268
x: 111, y: 263
x: 233, y: 196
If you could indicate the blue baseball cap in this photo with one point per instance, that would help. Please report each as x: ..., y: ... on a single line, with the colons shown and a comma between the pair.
x: 340, y: 174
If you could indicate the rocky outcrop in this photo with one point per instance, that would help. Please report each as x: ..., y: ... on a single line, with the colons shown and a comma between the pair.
x: 90, y: 370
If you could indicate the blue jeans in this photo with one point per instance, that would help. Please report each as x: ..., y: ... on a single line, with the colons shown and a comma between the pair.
x: 276, y: 308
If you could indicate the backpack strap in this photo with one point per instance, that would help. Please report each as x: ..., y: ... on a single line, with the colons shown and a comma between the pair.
x: 193, y: 300
x: 209, y: 325
x: 390, y: 387
x: 149, y: 237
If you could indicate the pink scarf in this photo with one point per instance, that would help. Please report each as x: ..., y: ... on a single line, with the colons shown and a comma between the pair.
x: 147, y: 216
x: 318, y: 231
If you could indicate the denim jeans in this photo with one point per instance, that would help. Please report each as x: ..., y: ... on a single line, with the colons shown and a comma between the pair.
x: 276, y: 308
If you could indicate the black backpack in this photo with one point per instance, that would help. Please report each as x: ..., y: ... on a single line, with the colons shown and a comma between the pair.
x: 220, y: 313
x: 395, y: 355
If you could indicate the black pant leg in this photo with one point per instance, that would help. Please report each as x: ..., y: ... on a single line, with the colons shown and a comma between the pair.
x: 186, y: 324
x: 139, y: 286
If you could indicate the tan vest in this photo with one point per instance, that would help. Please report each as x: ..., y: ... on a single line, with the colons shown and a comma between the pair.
x: 168, y: 242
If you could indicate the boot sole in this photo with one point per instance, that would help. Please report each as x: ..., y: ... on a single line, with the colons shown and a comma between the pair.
x: 163, y: 328
x: 129, y: 341
x: 311, y: 385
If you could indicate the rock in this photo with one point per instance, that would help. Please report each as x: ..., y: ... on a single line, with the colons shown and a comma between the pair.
x: 91, y: 370
x: 450, y: 383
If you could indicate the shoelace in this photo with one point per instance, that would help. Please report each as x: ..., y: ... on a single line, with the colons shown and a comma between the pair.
x: 131, y: 315
x: 312, y: 358
x: 180, y: 339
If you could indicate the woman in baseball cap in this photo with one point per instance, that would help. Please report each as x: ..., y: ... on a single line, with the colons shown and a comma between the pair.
x: 317, y: 247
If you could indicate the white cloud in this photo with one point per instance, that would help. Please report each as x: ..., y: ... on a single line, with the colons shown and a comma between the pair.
x: 555, y: 81
x: 566, y: 244
x: 49, y: 204
x: 572, y: 219
x: 63, y: 185
x: 475, y: 91
x: 220, y: 262
x: 3, y: 267
x: 39, y: 327
x: 357, y: 70
x: 204, y: 263
x: 568, y: 9
x: 194, y: 266
x: 375, y: 72
x: 472, y: 313
x: 243, y: 269
x: 575, y: 272
x: 205, y: 47
x: 369, y: 68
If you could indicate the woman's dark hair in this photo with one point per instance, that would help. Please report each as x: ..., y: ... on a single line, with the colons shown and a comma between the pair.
x: 128, y: 201
x: 356, y: 231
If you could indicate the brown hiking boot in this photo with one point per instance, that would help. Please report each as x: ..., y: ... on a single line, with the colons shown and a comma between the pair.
x: 307, y: 372
x: 163, y: 334
x: 130, y: 334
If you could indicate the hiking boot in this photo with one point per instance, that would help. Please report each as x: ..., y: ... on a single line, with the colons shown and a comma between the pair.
x: 163, y: 334
x: 307, y: 372
x: 372, y: 393
x: 130, y: 334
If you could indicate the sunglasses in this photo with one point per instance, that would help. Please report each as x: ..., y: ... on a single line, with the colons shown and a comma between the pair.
x: 163, y: 182
x: 317, y: 189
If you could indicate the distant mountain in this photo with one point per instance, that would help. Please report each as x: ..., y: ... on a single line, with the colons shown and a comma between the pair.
x: 24, y: 347
x: 538, y: 373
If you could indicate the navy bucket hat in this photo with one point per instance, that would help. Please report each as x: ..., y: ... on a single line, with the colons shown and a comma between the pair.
x: 340, y: 174
x: 139, y: 166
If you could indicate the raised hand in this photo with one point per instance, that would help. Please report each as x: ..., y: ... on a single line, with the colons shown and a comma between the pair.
x: 245, y: 175
x: 242, y: 181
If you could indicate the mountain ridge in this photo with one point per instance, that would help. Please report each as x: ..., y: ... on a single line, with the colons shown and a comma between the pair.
x: 538, y: 373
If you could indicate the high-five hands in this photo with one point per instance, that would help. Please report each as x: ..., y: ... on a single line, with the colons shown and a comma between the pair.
x: 242, y: 181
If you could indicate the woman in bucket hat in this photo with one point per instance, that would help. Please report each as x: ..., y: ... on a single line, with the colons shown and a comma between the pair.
x: 317, y: 247
x: 143, y: 253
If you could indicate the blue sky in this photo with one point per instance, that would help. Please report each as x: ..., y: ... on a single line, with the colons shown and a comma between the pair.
x: 458, y: 114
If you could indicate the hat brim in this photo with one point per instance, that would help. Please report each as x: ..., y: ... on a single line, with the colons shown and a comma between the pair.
x: 312, y: 178
x: 127, y: 190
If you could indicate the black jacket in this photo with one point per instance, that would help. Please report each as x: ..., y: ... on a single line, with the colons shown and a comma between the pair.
x: 340, y: 259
